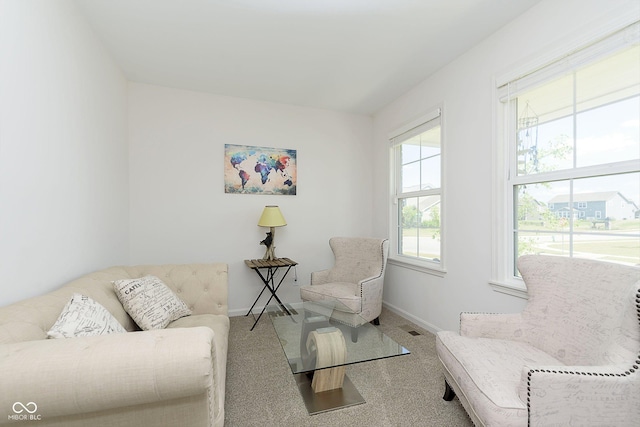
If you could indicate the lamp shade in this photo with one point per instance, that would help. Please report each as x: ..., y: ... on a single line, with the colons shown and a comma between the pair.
x: 271, y: 217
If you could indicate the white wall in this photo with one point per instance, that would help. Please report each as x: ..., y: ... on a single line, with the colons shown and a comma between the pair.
x: 180, y: 212
x: 63, y: 150
x: 465, y: 88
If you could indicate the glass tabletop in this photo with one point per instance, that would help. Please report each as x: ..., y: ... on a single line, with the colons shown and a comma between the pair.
x: 311, y: 325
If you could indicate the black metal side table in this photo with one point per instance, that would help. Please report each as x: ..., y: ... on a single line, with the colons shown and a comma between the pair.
x: 271, y: 267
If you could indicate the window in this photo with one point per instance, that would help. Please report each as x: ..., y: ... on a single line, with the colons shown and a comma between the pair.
x: 416, y: 151
x: 571, y: 184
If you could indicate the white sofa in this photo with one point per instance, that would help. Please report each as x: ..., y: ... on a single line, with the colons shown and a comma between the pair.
x: 571, y: 358
x: 165, y: 377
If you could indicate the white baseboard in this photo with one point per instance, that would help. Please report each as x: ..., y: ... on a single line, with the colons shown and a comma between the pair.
x: 425, y: 325
x: 243, y: 311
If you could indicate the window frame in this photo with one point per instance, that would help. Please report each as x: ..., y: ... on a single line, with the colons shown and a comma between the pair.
x: 423, y: 123
x: 579, y: 51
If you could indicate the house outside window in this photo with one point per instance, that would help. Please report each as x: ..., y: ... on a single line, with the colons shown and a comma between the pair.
x: 572, y: 133
x: 417, y: 190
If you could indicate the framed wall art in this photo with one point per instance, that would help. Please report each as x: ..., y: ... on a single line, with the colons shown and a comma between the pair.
x: 260, y: 170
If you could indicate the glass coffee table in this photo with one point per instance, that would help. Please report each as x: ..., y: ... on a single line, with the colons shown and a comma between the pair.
x: 318, y: 349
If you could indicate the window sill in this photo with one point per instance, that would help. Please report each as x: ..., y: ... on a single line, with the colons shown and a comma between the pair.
x: 509, y: 289
x: 423, y: 267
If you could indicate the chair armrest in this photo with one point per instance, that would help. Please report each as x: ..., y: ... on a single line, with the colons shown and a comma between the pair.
x: 371, y: 290
x: 320, y: 277
x: 491, y: 325
x: 581, y: 395
x: 87, y: 374
x: 371, y: 286
x: 372, y: 279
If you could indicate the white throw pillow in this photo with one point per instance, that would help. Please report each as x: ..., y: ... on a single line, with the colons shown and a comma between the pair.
x: 150, y: 302
x: 83, y: 317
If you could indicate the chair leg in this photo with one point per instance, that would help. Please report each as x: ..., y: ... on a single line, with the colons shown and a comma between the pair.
x: 449, y: 394
x: 354, y: 334
x: 376, y: 321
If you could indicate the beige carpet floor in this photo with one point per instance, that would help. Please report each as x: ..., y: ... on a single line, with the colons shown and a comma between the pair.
x: 399, y: 391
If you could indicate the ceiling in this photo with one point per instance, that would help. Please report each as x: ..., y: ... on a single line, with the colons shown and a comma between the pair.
x: 347, y: 55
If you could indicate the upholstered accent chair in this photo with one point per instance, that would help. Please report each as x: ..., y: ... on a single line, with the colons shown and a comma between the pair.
x: 354, y: 283
x: 570, y: 358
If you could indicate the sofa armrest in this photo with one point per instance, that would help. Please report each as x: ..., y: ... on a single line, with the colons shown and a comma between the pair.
x: 81, y: 375
x: 581, y: 395
x: 320, y: 277
x: 491, y: 325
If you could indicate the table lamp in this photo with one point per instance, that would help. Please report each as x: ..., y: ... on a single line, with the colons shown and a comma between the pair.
x: 271, y: 217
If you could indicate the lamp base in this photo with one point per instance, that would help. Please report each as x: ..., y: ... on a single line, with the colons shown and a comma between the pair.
x: 270, y: 254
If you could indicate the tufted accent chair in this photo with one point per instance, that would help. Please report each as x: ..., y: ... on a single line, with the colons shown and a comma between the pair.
x: 354, y: 283
x: 571, y: 357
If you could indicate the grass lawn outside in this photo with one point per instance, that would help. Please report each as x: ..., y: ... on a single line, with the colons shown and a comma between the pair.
x: 619, y: 243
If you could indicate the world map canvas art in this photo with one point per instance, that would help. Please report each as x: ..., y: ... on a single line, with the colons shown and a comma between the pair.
x: 259, y: 170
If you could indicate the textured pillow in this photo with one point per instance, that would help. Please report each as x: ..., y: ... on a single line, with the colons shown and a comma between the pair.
x: 149, y: 302
x: 83, y: 317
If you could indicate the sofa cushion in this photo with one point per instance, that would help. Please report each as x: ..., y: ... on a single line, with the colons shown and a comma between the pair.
x: 150, y: 302
x: 83, y: 317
